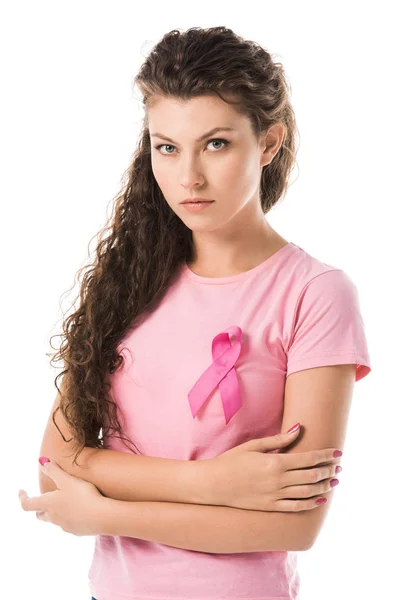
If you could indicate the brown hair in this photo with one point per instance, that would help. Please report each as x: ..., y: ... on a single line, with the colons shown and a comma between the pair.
x: 146, y: 242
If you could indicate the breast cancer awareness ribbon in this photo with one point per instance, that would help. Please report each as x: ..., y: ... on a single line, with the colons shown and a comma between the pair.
x: 220, y: 373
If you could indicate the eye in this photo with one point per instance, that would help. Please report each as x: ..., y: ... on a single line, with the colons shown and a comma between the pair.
x: 225, y: 142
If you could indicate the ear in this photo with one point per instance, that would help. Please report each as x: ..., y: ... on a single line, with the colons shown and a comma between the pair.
x: 271, y: 142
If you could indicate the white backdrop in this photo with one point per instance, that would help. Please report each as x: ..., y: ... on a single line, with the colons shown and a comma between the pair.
x: 69, y: 124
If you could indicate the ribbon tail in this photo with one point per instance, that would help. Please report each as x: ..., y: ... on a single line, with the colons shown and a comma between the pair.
x: 230, y: 395
x: 203, y: 387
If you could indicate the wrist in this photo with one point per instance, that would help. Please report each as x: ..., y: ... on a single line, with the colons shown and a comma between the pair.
x: 202, y: 481
x: 106, y: 513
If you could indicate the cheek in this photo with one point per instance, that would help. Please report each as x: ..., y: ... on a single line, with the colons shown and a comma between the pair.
x: 237, y: 171
x: 236, y: 164
x: 161, y: 174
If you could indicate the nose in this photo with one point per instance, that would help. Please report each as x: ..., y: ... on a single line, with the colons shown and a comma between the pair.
x: 191, y: 175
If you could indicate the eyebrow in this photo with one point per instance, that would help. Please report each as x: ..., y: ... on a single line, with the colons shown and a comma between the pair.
x: 206, y: 135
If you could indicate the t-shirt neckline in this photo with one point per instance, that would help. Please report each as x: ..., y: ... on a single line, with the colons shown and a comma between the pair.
x: 187, y: 272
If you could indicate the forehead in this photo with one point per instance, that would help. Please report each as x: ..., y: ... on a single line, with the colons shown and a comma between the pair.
x: 202, y: 105
x: 175, y: 116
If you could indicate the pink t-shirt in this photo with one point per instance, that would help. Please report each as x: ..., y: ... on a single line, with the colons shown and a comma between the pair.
x: 205, y: 372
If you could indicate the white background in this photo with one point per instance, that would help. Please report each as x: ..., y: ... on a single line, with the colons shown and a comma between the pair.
x: 69, y: 126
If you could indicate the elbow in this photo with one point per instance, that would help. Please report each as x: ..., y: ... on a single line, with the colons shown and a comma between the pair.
x: 312, y: 525
x: 304, y: 542
x: 46, y: 484
x: 306, y: 535
x: 310, y: 537
x: 307, y: 544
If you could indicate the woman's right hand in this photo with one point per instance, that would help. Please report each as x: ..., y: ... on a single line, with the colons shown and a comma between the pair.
x: 247, y: 477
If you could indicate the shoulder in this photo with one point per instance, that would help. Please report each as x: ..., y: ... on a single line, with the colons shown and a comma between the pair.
x: 306, y: 271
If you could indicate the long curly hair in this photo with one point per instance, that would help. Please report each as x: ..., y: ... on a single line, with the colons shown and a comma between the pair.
x: 144, y: 243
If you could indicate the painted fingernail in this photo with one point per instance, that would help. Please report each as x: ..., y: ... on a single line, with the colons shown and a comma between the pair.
x: 43, y: 460
x: 321, y: 501
x: 337, y: 453
x: 334, y: 482
x: 294, y: 428
x: 338, y: 469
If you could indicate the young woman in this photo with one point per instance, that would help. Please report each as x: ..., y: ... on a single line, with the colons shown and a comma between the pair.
x: 203, y: 335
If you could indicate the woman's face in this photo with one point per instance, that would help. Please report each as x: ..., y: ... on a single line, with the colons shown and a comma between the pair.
x: 225, y: 166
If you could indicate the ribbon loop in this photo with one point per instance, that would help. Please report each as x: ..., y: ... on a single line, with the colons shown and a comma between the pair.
x: 220, y: 373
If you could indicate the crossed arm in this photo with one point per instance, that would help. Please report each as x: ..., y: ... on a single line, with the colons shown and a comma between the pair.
x: 171, y: 501
x: 178, y: 510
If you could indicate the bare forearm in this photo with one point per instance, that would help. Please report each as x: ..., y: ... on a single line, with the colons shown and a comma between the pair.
x: 134, y: 477
x: 214, y: 529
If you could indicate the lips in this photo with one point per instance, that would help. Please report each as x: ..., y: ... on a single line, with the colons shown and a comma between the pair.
x: 196, y: 207
x: 196, y: 200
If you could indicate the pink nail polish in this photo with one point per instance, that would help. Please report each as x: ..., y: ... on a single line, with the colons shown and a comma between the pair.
x: 334, y: 482
x: 43, y: 460
x: 337, y: 453
x: 321, y: 501
x: 338, y: 469
x: 293, y: 429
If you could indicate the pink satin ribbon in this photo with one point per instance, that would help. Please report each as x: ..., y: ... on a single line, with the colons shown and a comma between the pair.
x: 220, y: 373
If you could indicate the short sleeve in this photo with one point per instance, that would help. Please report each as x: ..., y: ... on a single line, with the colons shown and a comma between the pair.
x: 328, y: 328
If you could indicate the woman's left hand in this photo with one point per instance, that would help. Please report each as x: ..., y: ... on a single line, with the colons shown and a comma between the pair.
x: 75, y: 507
